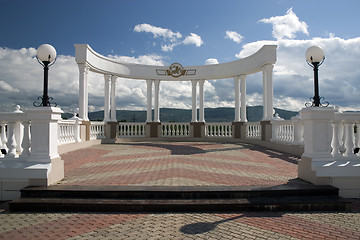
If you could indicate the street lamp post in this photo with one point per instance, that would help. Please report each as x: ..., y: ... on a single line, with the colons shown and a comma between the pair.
x: 46, y: 56
x: 315, y: 57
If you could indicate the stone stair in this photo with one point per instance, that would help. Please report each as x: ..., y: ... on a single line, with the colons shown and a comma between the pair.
x: 59, y: 198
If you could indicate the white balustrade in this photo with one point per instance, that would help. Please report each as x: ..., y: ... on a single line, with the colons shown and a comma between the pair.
x: 282, y: 131
x: 345, y: 142
x: 131, y: 129
x: 97, y: 130
x: 173, y: 129
x: 218, y: 129
x: 253, y: 130
x: 67, y: 129
x: 13, y: 140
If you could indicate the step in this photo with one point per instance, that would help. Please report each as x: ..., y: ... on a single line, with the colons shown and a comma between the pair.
x: 319, y: 203
x: 59, y: 198
x: 177, y: 192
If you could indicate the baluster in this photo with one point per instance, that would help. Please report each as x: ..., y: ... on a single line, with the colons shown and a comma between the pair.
x: 26, y: 143
x: 287, y: 136
x: 19, y: 133
x: 11, y: 144
x: 335, y: 139
x: 357, y: 138
x: 3, y: 136
x: 349, y: 144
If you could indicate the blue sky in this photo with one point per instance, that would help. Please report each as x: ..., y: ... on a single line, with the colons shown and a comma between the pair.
x: 189, y: 32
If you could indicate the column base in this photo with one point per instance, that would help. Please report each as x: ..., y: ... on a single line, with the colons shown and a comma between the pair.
x: 266, y: 130
x: 197, y: 129
x: 153, y: 129
x: 239, y: 130
x: 85, y: 131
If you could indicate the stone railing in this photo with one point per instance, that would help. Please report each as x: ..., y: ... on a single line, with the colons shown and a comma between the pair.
x: 218, y: 129
x: 288, y: 131
x: 345, y: 142
x: 69, y: 131
x: 253, y: 130
x: 173, y: 129
x: 14, y: 135
x: 126, y: 129
x: 97, y: 130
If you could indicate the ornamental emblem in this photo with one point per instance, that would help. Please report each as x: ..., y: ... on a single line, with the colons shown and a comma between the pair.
x: 175, y: 70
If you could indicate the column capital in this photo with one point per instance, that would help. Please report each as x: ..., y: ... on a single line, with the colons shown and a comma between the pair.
x: 113, y: 78
x: 242, y: 76
x: 149, y: 82
x: 267, y: 67
x: 194, y: 82
x: 83, y: 67
x: 201, y: 82
x: 107, y: 77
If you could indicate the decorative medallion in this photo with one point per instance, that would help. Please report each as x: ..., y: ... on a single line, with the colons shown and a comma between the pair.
x: 175, y: 70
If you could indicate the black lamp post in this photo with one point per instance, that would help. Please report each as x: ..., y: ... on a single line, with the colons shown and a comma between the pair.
x: 46, y: 56
x: 315, y: 57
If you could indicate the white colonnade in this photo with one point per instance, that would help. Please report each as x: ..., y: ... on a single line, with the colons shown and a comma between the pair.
x: 261, y: 61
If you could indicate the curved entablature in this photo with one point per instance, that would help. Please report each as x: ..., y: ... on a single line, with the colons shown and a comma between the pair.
x: 96, y: 62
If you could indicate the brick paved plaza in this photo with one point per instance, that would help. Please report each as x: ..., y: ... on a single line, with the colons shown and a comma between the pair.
x: 180, y: 164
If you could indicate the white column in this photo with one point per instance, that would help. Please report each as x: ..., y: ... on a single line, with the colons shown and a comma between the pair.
x: 113, y: 99
x: 237, y: 98
x: 243, y: 117
x: 194, y: 113
x: 201, y: 101
x: 107, y: 98
x: 270, y: 90
x: 149, y: 100
x: 156, y: 101
x: 265, y: 98
x: 83, y: 92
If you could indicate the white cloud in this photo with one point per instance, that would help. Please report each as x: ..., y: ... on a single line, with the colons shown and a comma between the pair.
x: 285, y: 27
x: 293, y: 78
x: 151, y: 59
x: 236, y: 37
x: 211, y: 61
x: 168, y: 48
x: 8, y: 88
x: 158, y: 31
x: 339, y: 76
x: 193, y: 39
x: 170, y: 39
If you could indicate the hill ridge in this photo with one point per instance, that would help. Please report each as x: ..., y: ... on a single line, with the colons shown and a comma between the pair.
x: 220, y: 114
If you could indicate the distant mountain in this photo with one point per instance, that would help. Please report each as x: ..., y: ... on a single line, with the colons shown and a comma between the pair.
x: 254, y: 114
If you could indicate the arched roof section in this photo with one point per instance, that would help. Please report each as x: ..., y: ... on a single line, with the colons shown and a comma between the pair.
x: 84, y: 54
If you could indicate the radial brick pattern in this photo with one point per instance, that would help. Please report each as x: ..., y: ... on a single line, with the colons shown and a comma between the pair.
x: 178, y: 164
x: 171, y: 164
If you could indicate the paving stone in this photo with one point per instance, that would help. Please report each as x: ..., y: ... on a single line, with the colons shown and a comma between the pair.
x: 180, y: 164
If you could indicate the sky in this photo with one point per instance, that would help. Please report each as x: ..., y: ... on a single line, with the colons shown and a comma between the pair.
x: 189, y: 32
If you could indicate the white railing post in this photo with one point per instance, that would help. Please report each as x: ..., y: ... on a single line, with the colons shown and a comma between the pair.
x: 349, y: 141
x: 3, y: 137
x: 26, y: 142
x: 357, y: 137
x: 335, y: 152
x: 11, y: 144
